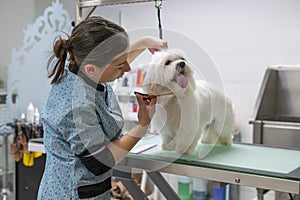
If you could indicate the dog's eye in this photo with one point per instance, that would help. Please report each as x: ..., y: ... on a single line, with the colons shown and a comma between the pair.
x: 168, y: 62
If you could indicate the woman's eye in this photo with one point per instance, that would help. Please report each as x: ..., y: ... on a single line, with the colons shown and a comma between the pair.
x: 168, y: 62
x: 120, y: 67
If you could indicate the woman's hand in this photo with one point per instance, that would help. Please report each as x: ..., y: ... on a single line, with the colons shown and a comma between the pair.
x: 146, y: 109
x: 154, y: 44
x: 148, y: 42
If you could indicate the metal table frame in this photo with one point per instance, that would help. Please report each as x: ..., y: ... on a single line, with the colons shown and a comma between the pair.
x: 217, y: 175
x: 220, y: 177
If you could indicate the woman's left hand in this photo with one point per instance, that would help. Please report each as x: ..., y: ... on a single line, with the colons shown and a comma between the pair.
x: 154, y: 44
x: 148, y: 42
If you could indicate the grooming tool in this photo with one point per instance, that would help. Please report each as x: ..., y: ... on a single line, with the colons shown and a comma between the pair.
x: 143, y: 148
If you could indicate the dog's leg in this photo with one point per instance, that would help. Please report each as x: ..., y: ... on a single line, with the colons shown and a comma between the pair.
x: 188, y: 130
x: 209, y: 134
x: 187, y: 139
x: 228, y: 127
x: 194, y: 144
x: 168, y: 142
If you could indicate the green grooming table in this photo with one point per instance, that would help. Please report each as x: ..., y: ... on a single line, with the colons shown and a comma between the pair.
x: 242, y: 164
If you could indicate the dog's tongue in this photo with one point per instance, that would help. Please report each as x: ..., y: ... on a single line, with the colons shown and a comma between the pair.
x: 181, y: 81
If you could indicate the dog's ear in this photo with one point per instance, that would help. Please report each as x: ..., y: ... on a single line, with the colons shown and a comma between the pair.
x: 149, y: 77
x: 192, y: 84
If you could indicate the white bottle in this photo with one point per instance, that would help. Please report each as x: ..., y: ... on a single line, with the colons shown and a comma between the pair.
x: 30, y: 113
x: 23, y: 117
x: 36, y: 116
x: 199, y: 189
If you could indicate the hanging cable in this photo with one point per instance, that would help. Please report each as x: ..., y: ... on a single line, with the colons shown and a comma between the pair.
x: 157, y: 5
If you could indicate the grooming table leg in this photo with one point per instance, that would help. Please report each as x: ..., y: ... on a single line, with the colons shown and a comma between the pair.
x: 130, y: 184
x: 260, y: 193
x: 163, y: 185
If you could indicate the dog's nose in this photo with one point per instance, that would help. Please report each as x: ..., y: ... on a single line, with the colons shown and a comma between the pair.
x: 181, y: 64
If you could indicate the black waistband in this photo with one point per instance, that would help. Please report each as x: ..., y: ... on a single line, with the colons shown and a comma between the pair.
x: 93, y: 190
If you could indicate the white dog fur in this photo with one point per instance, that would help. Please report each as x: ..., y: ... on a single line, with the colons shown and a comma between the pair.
x: 193, y: 110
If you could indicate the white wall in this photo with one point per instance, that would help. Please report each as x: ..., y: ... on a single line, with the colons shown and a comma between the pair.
x: 242, y: 38
x: 14, y: 18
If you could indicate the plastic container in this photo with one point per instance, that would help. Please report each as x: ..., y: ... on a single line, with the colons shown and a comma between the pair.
x: 219, y: 193
x: 184, y: 188
x: 199, y: 189
x: 36, y: 116
x: 30, y: 113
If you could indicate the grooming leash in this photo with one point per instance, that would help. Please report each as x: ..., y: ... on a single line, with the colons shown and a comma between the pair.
x: 157, y: 5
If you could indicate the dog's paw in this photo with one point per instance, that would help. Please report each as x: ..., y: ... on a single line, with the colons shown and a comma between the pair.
x: 183, y: 149
x: 189, y: 151
x: 225, y: 141
x: 167, y: 147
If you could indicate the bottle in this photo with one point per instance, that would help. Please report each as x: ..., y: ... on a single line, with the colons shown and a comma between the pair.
x: 219, y: 193
x: 30, y: 113
x: 36, y: 116
x: 184, y: 188
x: 199, y: 189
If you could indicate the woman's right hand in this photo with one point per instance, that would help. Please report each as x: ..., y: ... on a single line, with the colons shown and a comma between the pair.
x: 146, y: 109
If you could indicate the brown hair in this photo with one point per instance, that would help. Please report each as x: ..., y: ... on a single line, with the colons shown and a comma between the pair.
x: 95, y: 40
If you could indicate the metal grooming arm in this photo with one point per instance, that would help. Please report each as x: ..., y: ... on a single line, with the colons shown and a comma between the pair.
x: 91, y: 6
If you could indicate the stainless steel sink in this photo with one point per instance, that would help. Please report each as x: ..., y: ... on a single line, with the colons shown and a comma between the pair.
x: 276, y: 120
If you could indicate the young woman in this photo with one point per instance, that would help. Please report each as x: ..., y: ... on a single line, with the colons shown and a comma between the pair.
x: 81, y: 116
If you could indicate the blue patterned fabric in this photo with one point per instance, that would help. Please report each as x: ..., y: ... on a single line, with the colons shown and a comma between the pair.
x: 75, y: 118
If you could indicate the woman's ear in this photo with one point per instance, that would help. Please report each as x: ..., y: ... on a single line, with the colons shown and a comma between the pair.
x: 90, y: 70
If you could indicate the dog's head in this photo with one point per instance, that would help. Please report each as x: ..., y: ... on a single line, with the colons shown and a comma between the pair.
x: 168, y: 72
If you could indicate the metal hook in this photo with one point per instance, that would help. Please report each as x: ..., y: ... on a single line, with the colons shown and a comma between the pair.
x: 157, y: 4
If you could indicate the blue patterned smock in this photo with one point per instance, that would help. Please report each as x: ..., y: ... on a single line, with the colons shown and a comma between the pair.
x: 76, y: 118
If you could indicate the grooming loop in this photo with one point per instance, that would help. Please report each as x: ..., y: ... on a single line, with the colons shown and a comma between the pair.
x: 158, y: 5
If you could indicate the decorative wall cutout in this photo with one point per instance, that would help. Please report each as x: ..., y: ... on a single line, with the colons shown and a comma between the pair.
x: 27, y: 71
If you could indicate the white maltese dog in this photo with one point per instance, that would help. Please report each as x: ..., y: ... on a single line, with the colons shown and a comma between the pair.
x: 187, y: 110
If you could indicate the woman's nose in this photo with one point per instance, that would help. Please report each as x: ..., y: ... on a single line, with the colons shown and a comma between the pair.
x: 126, y: 67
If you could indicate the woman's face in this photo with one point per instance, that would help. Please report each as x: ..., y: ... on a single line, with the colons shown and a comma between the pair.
x: 116, y: 69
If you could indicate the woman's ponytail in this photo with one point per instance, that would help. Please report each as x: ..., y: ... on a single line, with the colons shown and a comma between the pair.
x: 60, y: 49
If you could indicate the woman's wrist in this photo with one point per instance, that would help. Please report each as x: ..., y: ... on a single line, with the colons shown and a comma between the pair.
x: 138, y: 131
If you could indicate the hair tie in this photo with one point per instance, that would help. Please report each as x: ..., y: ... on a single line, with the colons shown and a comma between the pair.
x: 66, y: 45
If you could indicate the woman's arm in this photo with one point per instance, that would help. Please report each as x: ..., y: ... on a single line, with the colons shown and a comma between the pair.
x: 120, y: 147
x: 147, y: 42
